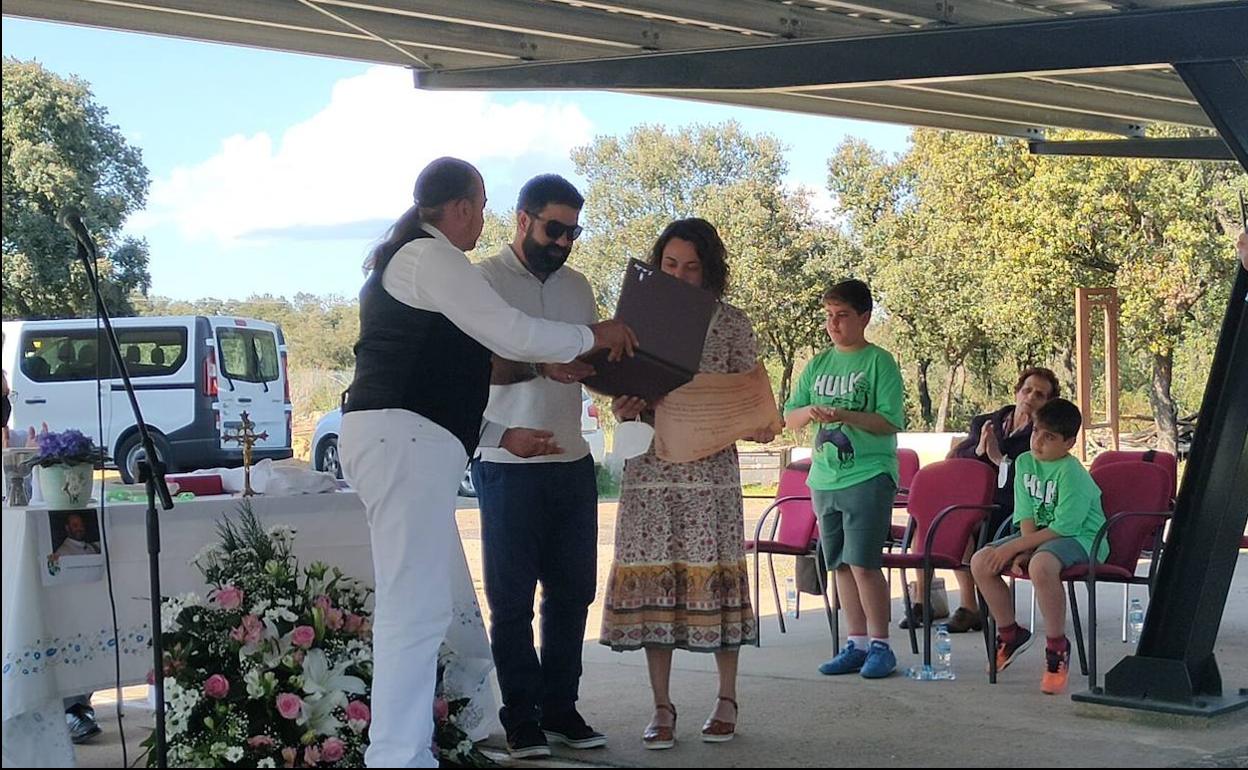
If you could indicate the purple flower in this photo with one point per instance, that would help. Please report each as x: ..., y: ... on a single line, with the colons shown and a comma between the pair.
x: 69, y: 446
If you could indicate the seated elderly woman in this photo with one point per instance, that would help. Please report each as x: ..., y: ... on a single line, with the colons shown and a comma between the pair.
x: 996, y: 438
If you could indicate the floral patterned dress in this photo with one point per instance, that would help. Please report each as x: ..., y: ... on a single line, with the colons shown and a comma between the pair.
x: 679, y: 579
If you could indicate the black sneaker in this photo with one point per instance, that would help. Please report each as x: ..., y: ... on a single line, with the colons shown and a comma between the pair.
x: 81, y: 722
x: 526, y: 741
x: 570, y: 730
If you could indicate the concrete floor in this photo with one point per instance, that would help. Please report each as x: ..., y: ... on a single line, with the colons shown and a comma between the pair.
x: 793, y: 716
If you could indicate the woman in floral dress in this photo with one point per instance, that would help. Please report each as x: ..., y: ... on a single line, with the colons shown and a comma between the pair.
x: 679, y: 580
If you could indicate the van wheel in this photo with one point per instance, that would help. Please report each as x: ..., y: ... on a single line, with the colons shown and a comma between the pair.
x: 327, y: 457
x: 131, y: 451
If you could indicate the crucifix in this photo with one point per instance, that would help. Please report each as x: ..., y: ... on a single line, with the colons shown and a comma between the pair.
x: 247, y: 438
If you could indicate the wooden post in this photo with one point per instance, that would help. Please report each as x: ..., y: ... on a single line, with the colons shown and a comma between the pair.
x: 1086, y: 301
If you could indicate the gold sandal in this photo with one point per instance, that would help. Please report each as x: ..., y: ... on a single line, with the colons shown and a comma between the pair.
x: 717, y: 730
x: 660, y: 736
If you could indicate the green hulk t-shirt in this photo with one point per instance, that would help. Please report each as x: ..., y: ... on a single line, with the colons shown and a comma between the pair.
x: 1059, y: 495
x: 865, y: 380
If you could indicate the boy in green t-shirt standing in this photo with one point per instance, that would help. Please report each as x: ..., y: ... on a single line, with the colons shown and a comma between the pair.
x: 1057, y: 509
x: 853, y: 392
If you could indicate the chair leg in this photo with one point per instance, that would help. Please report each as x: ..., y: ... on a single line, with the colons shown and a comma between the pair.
x: 982, y: 607
x: 930, y: 576
x: 827, y: 607
x: 797, y: 592
x: 1126, y: 608
x: 1074, y: 616
x: 1033, y: 607
x: 758, y: 627
x: 990, y: 636
x: 909, y: 608
x: 1091, y: 635
x: 775, y: 590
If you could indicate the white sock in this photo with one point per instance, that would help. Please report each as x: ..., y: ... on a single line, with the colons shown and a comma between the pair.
x: 860, y: 642
x: 881, y: 641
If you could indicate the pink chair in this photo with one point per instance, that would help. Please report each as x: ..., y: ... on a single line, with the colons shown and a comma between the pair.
x: 1165, y: 460
x: 794, y: 532
x: 907, y: 466
x: 947, y: 501
x: 1135, y: 498
x: 1170, y: 465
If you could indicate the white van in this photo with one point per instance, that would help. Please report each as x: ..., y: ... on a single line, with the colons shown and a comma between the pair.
x: 193, y: 375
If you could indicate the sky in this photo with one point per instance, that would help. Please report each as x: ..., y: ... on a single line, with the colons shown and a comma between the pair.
x: 274, y: 172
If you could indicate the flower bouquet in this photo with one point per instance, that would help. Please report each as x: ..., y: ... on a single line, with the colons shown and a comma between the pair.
x: 274, y: 668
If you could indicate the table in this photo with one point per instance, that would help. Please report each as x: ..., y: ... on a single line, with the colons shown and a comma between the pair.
x: 58, y: 640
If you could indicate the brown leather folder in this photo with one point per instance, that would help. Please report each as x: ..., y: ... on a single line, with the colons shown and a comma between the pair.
x: 670, y: 318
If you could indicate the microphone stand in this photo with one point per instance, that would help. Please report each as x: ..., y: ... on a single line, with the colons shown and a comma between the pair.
x: 152, y: 474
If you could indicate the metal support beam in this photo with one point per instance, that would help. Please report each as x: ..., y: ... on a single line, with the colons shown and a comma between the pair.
x: 1174, y: 669
x: 1196, y: 148
x: 1197, y: 34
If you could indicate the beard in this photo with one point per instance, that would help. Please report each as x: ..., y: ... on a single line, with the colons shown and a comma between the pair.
x: 544, y: 259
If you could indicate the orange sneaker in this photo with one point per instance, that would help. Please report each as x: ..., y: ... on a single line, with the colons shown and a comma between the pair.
x: 1008, y: 652
x: 1056, y: 671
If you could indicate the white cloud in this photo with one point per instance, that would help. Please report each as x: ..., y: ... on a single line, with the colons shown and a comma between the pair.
x: 356, y: 159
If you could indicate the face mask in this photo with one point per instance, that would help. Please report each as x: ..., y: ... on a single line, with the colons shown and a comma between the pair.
x: 632, y: 439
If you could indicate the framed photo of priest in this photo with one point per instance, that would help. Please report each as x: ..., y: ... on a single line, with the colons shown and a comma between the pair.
x: 71, y: 543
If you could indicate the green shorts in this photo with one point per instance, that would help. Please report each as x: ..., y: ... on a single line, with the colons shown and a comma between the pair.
x: 1068, y: 550
x: 854, y: 522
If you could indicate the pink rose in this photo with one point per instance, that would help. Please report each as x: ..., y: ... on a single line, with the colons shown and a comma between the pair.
x: 260, y: 742
x: 441, y: 710
x: 311, y: 756
x: 251, y: 631
x: 217, y: 687
x: 333, y: 750
x: 303, y: 636
x: 351, y: 623
x: 333, y: 619
x: 288, y: 756
x: 229, y: 598
x: 358, y: 712
x: 324, y: 602
x: 298, y: 657
x: 289, y: 705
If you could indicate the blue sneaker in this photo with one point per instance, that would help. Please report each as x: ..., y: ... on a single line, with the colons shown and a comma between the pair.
x: 880, y: 661
x: 847, y: 661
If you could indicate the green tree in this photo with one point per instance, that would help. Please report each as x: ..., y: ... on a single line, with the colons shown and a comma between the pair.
x: 977, y: 248
x: 58, y: 150
x: 780, y: 257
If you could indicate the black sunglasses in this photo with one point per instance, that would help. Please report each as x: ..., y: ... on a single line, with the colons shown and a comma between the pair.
x: 556, y: 229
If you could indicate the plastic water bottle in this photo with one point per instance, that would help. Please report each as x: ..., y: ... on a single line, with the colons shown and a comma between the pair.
x: 943, y: 649
x: 790, y: 597
x: 1135, y: 621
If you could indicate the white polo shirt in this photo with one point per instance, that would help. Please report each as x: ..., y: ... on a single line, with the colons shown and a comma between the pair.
x: 540, y: 403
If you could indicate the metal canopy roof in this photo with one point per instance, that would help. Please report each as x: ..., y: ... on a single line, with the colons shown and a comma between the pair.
x: 1120, y: 83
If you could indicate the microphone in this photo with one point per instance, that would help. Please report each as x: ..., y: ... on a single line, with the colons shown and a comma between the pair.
x: 71, y: 220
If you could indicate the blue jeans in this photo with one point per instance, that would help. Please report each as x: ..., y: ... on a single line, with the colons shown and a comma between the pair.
x: 539, y: 522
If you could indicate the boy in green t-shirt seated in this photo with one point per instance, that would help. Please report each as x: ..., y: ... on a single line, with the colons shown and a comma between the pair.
x: 853, y: 392
x: 1057, y: 509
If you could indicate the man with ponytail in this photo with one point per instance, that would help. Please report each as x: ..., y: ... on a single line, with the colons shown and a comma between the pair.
x: 429, y: 324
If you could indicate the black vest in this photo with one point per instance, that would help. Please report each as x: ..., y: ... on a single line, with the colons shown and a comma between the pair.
x: 419, y: 361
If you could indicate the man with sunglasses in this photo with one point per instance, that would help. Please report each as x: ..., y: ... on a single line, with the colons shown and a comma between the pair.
x: 539, y: 516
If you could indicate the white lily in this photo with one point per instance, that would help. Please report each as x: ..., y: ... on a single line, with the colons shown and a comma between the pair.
x: 320, y: 679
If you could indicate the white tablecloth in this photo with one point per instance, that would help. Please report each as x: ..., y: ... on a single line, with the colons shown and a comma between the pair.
x: 58, y: 640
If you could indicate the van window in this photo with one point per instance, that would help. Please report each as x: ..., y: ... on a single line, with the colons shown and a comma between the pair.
x: 66, y: 356
x: 249, y: 355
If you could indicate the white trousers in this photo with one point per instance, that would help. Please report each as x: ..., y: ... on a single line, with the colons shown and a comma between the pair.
x: 406, y: 470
